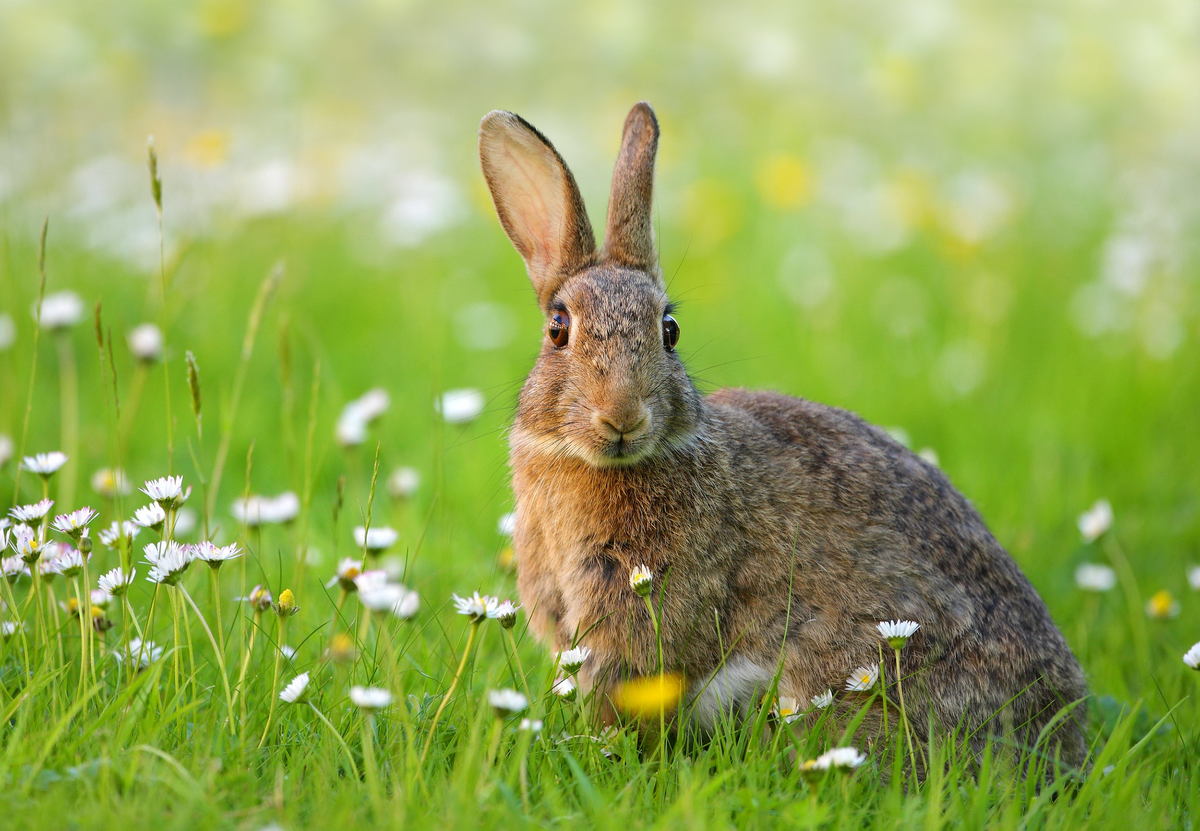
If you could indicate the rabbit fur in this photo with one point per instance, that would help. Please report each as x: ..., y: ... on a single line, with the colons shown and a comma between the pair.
x: 779, y: 531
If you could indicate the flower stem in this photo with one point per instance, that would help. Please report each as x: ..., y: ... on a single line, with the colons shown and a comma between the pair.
x: 520, y: 670
x: 662, y: 713
x: 372, y: 772
x: 450, y: 692
x: 903, y: 712
x: 338, y: 736
x: 274, y: 683
x: 220, y: 656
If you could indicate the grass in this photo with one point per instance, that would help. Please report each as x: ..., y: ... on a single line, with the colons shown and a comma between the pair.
x: 971, y: 349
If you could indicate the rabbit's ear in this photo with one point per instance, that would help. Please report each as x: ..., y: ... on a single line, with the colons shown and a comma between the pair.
x: 537, y: 201
x: 629, y: 238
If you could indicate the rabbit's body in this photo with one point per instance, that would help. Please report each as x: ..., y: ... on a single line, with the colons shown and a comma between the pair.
x: 776, y: 529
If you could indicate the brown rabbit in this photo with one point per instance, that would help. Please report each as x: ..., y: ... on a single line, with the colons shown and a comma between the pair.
x: 781, y: 529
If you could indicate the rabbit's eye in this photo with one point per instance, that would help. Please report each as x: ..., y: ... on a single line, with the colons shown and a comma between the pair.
x: 670, y: 333
x: 559, y: 329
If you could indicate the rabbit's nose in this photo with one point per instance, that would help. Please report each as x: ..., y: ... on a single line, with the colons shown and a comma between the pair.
x: 622, y: 424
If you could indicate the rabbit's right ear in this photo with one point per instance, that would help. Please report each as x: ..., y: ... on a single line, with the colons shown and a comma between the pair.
x: 537, y: 201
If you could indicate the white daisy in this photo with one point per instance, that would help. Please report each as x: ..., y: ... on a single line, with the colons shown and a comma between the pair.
x: 113, y: 534
x: 117, y: 581
x: 507, y: 702
x: 347, y: 571
x: 897, y: 632
x: 403, y: 482
x: 507, y: 524
x: 100, y: 598
x: 389, y: 598
x: 787, y: 709
x: 840, y: 758
x: 863, y: 679
x: 1192, y: 657
x: 1095, y: 577
x: 572, y: 659
x: 295, y: 690
x: 9, y: 628
x: 259, y: 598
x: 288, y: 652
x: 641, y: 580
x: 168, y: 561
x: 60, y: 310
x: 1094, y: 522
x: 460, y: 406
x: 505, y: 614
x: 44, y: 464
x: 32, y: 514
x: 370, y: 698
x: 146, y: 342
x: 28, y: 546
x: 214, y: 555
x: 283, y: 508
x: 74, y: 523
x: 69, y: 562
x: 476, y: 606
x: 150, y: 516
x: 12, y: 568
x: 1193, y: 576
x: 143, y: 652
x: 375, y: 540
x: 565, y: 688
x: 531, y: 725
x: 110, y: 482
x: 167, y: 491
x: 6, y: 449
x: 822, y: 700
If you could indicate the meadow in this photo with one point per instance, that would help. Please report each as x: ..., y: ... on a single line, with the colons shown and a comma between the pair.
x: 974, y: 228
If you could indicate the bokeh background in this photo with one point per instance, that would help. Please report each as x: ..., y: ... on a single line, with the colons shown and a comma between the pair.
x: 974, y: 221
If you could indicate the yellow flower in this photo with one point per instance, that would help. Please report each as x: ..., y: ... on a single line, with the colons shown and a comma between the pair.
x: 1162, y: 606
x: 286, y: 607
x: 649, y: 696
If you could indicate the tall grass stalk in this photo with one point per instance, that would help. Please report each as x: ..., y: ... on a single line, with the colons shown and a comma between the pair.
x: 33, y: 360
x: 156, y: 192
x: 219, y: 652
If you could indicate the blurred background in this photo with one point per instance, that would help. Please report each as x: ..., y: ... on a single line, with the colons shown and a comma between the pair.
x: 974, y: 221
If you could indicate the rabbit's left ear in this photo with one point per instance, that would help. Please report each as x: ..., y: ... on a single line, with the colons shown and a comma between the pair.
x: 629, y: 238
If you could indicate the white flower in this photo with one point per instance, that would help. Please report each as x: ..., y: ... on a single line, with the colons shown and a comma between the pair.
x: 9, y: 628
x: 12, y: 568
x: 822, y: 700
x: 32, y: 514
x: 350, y: 431
x: 6, y: 449
x: 356, y: 416
x: 476, y: 606
x: 295, y: 690
x: 531, y: 725
x: 460, y: 406
x: 863, y: 679
x: 375, y: 540
x: 167, y: 491
x: 60, y: 310
x: 69, y: 562
x: 348, y: 570
x: 259, y: 598
x: 505, y: 614
x: 507, y: 702
x: 1193, y: 576
x: 27, y: 545
x: 143, y: 652
x: 389, y: 597
x: 1192, y: 656
x: 507, y: 524
x: 117, y: 581
x: 100, y: 598
x: 840, y: 758
x: 403, y: 482
x: 214, y: 555
x: 641, y: 580
x: 168, y: 561
x: 267, y: 510
x: 288, y: 652
x: 564, y: 688
x: 113, y: 534
x: 371, y: 579
x: 74, y: 523
x: 109, y: 482
x: 44, y: 464
x: 370, y: 698
x: 897, y: 632
x: 1095, y: 577
x: 788, y: 709
x: 1096, y: 521
x: 150, y: 516
x: 146, y: 342
x: 572, y: 659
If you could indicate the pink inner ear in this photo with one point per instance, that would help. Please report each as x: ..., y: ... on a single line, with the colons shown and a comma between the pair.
x: 529, y: 206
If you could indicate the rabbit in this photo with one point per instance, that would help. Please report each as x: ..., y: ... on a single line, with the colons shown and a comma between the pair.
x: 778, y: 531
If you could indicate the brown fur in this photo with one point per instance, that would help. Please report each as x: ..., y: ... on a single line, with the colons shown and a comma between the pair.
x: 779, y: 527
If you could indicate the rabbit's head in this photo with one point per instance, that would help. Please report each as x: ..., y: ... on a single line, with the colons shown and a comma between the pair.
x: 608, y: 386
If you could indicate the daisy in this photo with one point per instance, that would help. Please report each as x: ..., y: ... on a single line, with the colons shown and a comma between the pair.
x: 117, y: 581
x: 371, y: 579
x: 1162, y: 606
x: 143, y: 652
x: 113, y: 534
x: 506, y: 702
x: 897, y: 632
x: 572, y: 659
x: 822, y: 700
x: 531, y: 725
x: 32, y: 514
x: 60, y: 310
x: 507, y: 524
x: 167, y: 491
x: 110, y: 482
x: 460, y: 406
x: 370, y: 698
x: 12, y: 568
x: 6, y: 444
x: 24, y: 541
x: 259, y: 598
x: 505, y: 614
x: 565, y: 689
x: 641, y: 580
x: 403, y: 482
x: 69, y: 563
x: 168, y: 561
x: 215, y: 556
x: 286, y: 606
x: 9, y: 628
x: 44, y: 464
x: 75, y: 523
x: 1193, y: 576
x: 476, y: 606
x: 1192, y: 657
x: 282, y: 509
x: 357, y: 415
x: 863, y: 679
x: 787, y: 709
x: 150, y: 516
x: 100, y: 598
x: 347, y: 570
x: 375, y: 540
x: 844, y: 759
x: 295, y: 691
x: 288, y: 652
x: 146, y: 342
x: 1094, y: 522
x: 1095, y: 577
x: 389, y: 597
